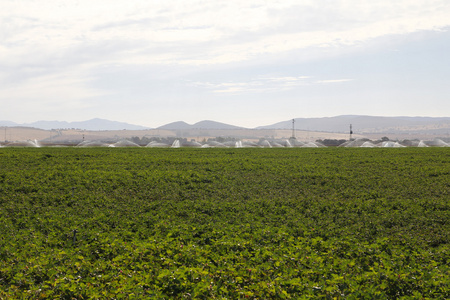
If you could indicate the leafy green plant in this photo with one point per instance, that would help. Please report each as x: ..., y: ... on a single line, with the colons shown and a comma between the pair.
x: 224, y: 223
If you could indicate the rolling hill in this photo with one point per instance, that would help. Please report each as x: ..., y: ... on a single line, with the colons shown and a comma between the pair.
x: 368, y: 124
x: 206, y: 124
x: 93, y: 124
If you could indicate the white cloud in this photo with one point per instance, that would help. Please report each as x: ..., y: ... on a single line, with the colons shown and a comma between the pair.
x: 53, y: 52
x: 333, y: 80
x: 263, y: 84
x: 226, y: 31
x: 59, y: 94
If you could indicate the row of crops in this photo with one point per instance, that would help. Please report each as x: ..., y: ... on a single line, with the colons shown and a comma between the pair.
x: 345, y: 223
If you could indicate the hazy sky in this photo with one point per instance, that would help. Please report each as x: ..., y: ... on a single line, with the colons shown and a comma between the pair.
x: 245, y: 63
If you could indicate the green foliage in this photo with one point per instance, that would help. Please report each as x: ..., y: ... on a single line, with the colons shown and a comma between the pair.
x: 224, y: 223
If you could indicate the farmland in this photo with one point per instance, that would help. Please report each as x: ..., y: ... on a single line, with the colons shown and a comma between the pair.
x: 224, y: 223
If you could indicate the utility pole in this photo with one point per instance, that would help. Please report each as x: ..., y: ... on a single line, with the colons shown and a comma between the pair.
x: 293, y: 139
x: 293, y: 129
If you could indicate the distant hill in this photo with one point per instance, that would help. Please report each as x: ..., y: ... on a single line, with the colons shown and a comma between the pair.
x: 175, y: 126
x: 94, y: 124
x: 207, y: 124
x: 367, y: 124
x: 7, y: 123
x: 389, y: 126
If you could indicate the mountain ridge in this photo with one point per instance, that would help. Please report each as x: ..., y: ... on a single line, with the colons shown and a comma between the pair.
x: 336, y: 124
x: 205, y: 124
x: 92, y: 124
x: 362, y: 123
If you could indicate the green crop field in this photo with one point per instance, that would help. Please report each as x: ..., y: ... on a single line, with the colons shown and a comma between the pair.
x: 112, y: 223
